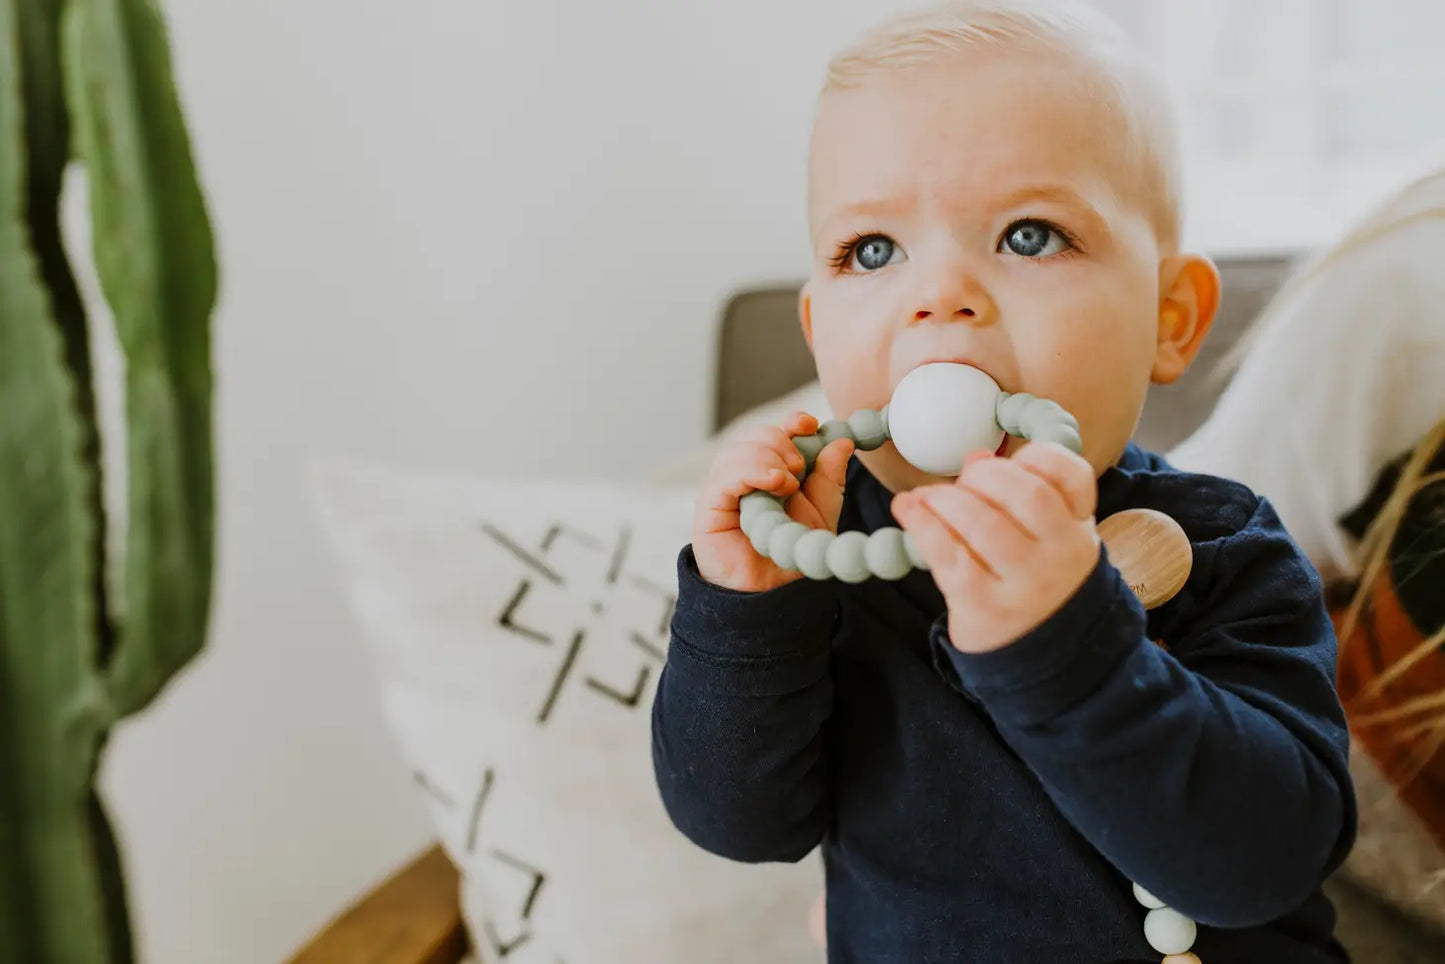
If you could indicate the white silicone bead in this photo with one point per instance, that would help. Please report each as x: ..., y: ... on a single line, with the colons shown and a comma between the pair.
x: 885, y: 554
x: 941, y: 412
x: 1146, y: 898
x: 782, y: 542
x: 1168, y: 931
x: 845, y: 557
x: 809, y: 553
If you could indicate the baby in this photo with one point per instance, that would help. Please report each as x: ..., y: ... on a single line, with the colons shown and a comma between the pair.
x: 993, y: 752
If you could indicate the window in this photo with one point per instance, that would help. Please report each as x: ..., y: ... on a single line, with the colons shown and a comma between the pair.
x: 1296, y: 115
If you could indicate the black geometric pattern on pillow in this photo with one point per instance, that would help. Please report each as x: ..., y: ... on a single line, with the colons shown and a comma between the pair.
x: 566, y: 561
x: 505, y: 933
x: 623, y: 685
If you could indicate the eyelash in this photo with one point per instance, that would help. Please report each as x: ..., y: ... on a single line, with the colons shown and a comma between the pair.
x: 1069, y: 239
x: 843, y: 260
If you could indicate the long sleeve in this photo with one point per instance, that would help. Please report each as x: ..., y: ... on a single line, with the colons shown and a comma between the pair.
x: 1214, y: 772
x: 738, y: 741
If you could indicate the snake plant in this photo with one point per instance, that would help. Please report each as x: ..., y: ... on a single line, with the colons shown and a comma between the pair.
x: 88, y: 636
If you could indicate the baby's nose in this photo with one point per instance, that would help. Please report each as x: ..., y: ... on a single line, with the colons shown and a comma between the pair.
x: 954, y: 298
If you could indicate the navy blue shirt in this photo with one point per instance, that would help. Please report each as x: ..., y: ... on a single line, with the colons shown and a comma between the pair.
x: 995, y: 807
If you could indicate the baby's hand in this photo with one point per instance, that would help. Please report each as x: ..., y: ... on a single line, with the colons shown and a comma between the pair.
x: 1008, y: 542
x: 764, y: 458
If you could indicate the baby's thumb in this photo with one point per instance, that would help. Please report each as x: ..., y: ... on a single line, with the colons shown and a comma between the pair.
x: 824, y: 485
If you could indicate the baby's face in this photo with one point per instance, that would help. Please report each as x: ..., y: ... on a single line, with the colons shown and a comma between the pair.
x: 974, y: 212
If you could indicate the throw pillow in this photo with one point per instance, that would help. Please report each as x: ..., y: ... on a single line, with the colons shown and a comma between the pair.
x: 518, y: 629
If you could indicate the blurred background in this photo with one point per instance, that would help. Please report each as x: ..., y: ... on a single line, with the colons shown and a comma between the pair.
x: 495, y: 236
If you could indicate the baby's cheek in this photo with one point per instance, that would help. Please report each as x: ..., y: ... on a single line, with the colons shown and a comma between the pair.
x: 1105, y: 392
x: 853, y: 370
x: 1107, y: 420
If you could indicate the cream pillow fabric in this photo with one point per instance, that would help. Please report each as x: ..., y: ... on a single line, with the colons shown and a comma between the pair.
x: 690, y: 468
x: 518, y: 629
x: 1343, y: 375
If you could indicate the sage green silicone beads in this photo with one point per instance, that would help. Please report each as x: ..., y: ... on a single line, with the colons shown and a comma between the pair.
x: 817, y: 553
x: 1038, y: 420
x: 888, y: 553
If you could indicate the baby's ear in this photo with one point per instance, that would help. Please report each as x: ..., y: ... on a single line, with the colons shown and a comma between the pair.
x: 805, y: 314
x: 1188, y: 300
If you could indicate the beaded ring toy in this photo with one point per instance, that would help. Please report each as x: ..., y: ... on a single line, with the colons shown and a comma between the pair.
x: 938, y: 414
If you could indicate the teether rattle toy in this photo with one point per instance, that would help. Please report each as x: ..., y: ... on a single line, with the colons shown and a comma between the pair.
x: 939, y: 413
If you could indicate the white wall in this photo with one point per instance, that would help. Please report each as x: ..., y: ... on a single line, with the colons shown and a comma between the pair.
x: 489, y: 235
x: 470, y: 234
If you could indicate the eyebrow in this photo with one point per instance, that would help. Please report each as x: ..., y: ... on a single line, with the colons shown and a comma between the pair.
x: 1046, y: 193
x: 878, y: 208
x: 1054, y: 194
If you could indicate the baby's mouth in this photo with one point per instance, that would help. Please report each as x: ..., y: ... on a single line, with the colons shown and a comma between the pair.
x: 955, y: 360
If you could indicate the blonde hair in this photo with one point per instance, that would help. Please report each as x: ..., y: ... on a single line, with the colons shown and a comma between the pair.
x: 924, y: 37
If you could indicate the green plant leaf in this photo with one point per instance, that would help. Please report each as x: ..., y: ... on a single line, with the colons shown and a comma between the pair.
x: 47, y: 135
x: 52, y: 708
x: 154, y: 255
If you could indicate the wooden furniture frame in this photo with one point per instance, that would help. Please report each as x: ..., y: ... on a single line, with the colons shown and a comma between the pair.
x: 414, y: 917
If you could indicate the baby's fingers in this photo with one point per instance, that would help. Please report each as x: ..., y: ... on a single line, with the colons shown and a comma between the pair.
x: 1069, y: 473
x: 954, y: 564
x: 823, y: 487
x: 800, y: 423
x: 739, y: 470
x: 757, y: 467
x: 777, y: 439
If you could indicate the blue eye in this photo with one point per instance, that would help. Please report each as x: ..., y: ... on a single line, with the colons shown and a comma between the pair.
x: 873, y: 252
x: 1034, y: 239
